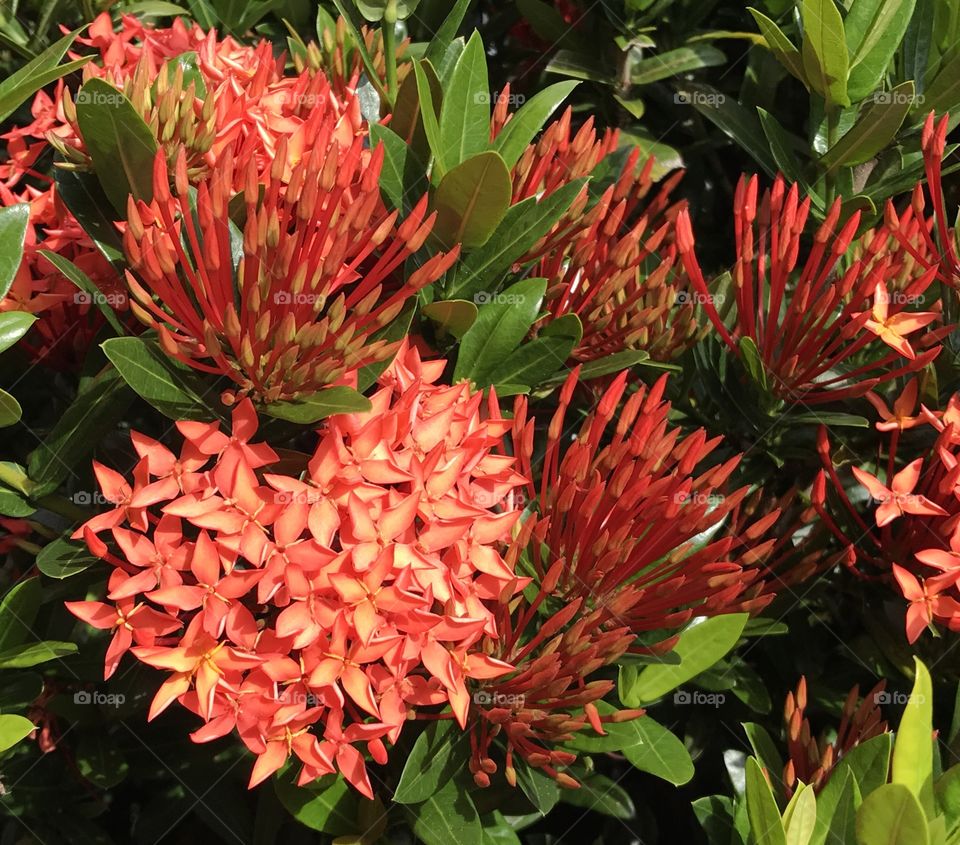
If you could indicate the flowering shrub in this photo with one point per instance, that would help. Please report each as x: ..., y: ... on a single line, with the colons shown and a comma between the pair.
x: 401, y: 445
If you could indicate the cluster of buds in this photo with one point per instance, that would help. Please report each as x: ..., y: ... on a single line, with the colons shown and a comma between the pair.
x: 907, y: 534
x: 815, y: 322
x: 611, y: 262
x: 313, y: 613
x: 320, y: 267
x: 811, y: 761
x: 615, y: 553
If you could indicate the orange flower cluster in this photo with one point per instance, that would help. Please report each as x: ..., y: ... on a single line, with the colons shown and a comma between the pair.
x: 334, y: 603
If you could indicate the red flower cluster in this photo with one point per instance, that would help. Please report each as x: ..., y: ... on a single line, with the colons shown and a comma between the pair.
x: 316, y: 611
x: 815, y: 322
x: 618, y: 554
x: 912, y: 538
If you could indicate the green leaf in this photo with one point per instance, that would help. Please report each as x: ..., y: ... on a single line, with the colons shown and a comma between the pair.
x: 454, y: 316
x: 529, y: 120
x: 869, y: 762
x: 837, y: 809
x: 472, y: 200
x: 465, y: 115
x: 18, y: 611
x: 373, y: 10
x: 190, y: 63
x: 100, y: 761
x: 736, y: 121
x: 765, y: 750
x: 88, y: 287
x: 947, y: 790
x: 605, y: 366
x: 913, y: 748
x: 149, y: 372
x: 547, y: 22
x: 22, y: 657
x: 13, y: 729
x: 319, y: 406
x: 523, y: 225
x: 715, y: 814
x: 877, y: 127
x: 541, y: 789
x: 429, y: 117
x: 765, y: 824
x: 13, y: 231
x: 328, y: 804
x: 83, y: 195
x: 800, y: 816
x: 20, y: 690
x: 154, y: 8
x: 10, y: 410
x: 447, y: 816
x: 674, y: 62
x: 534, y: 362
x: 874, y: 30
x: 500, y: 327
x: 891, y: 815
x: 407, y: 121
x: 943, y: 94
x: 13, y: 326
x: 444, y: 36
x: 753, y: 362
x: 37, y: 73
x: 13, y: 504
x: 781, y: 46
x: 434, y: 760
x: 825, y: 59
x: 63, y: 558
x: 120, y: 144
x: 94, y: 412
x: 700, y: 646
x: 601, y: 795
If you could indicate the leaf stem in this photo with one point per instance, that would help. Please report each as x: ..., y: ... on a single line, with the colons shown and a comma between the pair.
x: 389, y: 30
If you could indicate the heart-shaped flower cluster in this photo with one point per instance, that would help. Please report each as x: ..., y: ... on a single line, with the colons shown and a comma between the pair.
x: 312, y: 611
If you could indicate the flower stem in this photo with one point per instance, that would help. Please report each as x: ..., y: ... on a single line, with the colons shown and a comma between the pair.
x: 389, y: 31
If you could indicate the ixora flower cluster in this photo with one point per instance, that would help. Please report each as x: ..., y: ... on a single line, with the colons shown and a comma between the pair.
x: 319, y: 612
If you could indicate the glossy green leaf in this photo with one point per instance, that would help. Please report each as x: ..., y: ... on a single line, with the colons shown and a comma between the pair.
x: 877, y: 127
x: 943, y: 93
x: 13, y: 230
x: 534, y: 362
x: 529, y: 120
x: 947, y: 792
x: 523, y: 225
x: 189, y: 63
x: 783, y: 147
x: 800, y: 816
x: 320, y: 405
x: 605, y: 366
x: 540, y: 788
x: 781, y: 46
x: 454, y: 316
x: 913, y: 748
x: 600, y: 794
x: 765, y: 750
x: 891, y: 815
x: 428, y: 115
x: 88, y: 289
x: 18, y: 611
x: 870, y: 762
x: 472, y: 200
x: 874, y: 31
x: 407, y: 121
x: 674, y: 62
x: 40, y: 71
x: 328, y: 804
x: 76, y: 433
x: 465, y: 114
x: 83, y: 195
x: 766, y: 826
x: 373, y: 10
x: 750, y: 356
x: 150, y: 373
x: 25, y: 656
x: 436, y: 757
x: 13, y: 729
x: 447, y: 816
x: 837, y: 809
x: 701, y: 645
x: 824, y: 51
x: 120, y: 144
x: 447, y: 31
x: 13, y: 326
x: 63, y: 558
x: 10, y: 410
x: 501, y: 325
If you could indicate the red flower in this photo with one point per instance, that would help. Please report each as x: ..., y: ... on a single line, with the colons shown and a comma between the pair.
x: 809, y: 318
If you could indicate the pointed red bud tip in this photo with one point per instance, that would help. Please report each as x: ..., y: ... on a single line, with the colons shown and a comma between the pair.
x: 161, y: 179
x: 627, y: 715
x: 928, y: 130
x: 685, y: 239
x: 802, y: 693
x: 96, y: 546
x: 180, y: 175
x: 593, y: 716
x: 823, y: 441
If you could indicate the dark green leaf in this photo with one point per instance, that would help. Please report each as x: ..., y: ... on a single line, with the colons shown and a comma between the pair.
x: 319, y: 406
x: 10, y: 410
x: 63, y: 558
x: 472, y: 200
x: 601, y: 795
x: 447, y: 816
x: 877, y: 127
x: 18, y: 611
x: 84, y: 197
x: 465, y: 114
x: 529, y: 120
x: 13, y: 230
x: 437, y: 756
x: 88, y: 288
x: 444, y: 36
x: 328, y: 805
x: 13, y: 326
x: 454, y: 316
x: 100, y: 761
x: 781, y: 46
x: 874, y: 30
x: 674, y: 62
x: 24, y: 656
x: 540, y: 788
x: 765, y: 823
